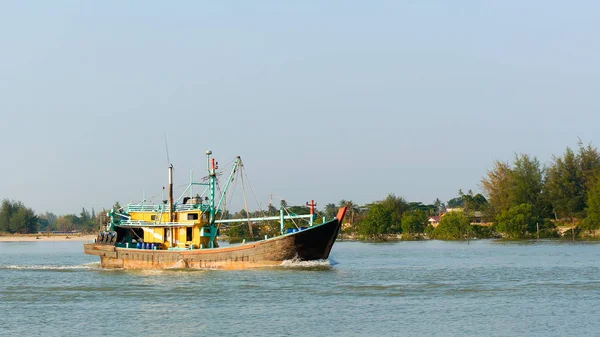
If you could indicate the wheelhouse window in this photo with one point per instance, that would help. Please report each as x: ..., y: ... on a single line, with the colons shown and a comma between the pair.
x: 192, y: 216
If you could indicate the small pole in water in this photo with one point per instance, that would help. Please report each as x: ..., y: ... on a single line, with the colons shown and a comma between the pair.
x: 537, y: 225
x: 573, y: 233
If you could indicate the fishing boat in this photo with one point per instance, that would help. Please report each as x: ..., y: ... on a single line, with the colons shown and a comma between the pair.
x: 183, y: 232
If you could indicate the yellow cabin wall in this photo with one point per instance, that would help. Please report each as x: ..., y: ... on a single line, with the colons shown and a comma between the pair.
x: 158, y: 234
x: 164, y: 217
x: 196, y: 236
x: 147, y: 216
x: 154, y: 235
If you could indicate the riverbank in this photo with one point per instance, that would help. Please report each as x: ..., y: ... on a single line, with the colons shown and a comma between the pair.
x: 41, y: 237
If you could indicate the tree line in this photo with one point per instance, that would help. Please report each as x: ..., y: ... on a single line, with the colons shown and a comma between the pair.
x: 521, y: 199
x: 16, y: 218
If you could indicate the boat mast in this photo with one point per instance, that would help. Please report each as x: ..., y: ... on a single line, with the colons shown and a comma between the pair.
x: 171, y: 208
x: 210, y: 166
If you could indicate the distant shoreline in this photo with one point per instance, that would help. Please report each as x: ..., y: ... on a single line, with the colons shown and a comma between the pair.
x: 42, y: 238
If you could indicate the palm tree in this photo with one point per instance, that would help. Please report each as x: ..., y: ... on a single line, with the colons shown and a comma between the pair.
x: 352, y: 208
x: 330, y: 210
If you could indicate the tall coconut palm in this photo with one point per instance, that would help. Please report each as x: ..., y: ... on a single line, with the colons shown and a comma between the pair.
x: 352, y: 208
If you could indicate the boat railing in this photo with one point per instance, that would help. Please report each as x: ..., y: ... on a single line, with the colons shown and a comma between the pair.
x: 164, y: 208
x: 191, y: 207
x: 146, y: 208
x: 141, y: 223
x: 265, y: 218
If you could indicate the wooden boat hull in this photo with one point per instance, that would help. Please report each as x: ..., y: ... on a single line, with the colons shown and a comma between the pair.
x: 313, y: 243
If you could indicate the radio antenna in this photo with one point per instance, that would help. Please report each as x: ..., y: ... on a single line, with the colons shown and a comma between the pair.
x: 167, y: 148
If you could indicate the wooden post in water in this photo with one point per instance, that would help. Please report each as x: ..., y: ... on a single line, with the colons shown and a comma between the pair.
x: 537, y: 225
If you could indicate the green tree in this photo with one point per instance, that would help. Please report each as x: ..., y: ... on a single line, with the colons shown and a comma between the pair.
x: 395, y: 206
x: 455, y: 202
x: 330, y: 211
x: 23, y: 220
x: 517, y: 222
x: 46, y: 221
x: 497, y: 186
x: 68, y: 222
x: 271, y: 210
x: 564, y: 185
x: 239, y: 231
x: 439, y: 206
x: 377, y: 222
x: 87, y: 221
x: 84, y: 215
x: 453, y: 226
x: 419, y: 206
x: 298, y: 210
x: 522, y: 184
x: 6, y: 211
x: 471, y: 203
x: 528, y: 184
x: 382, y: 217
x: 429, y: 231
x: 589, y: 163
x: 352, y: 209
x: 413, y: 222
x: 16, y: 218
x: 43, y: 224
x: 592, y: 220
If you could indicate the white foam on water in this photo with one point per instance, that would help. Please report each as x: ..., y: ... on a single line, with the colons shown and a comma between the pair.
x: 297, y: 263
x: 85, y: 266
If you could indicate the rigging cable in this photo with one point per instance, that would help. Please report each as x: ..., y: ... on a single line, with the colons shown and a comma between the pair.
x: 246, y: 202
x: 254, y: 194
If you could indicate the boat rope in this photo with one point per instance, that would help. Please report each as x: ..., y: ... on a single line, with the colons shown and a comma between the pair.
x: 254, y: 195
x: 225, y: 198
x: 288, y: 213
x: 246, y: 202
x: 134, y: 233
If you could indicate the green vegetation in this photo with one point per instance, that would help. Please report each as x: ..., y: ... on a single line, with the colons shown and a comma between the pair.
x: 16, y: 218
x: 239, y: 231
x: 591, y: 222
x: 520, y: 200
x: 453, y: 226
x: 413, y: 223
x: 516, y: 222
x: 382, y: 218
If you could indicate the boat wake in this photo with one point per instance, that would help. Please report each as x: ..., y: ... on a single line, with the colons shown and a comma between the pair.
x: 296, y: 263
x: 85, y: 266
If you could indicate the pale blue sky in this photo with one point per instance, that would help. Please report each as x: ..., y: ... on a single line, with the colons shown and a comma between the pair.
x: 324, y: 100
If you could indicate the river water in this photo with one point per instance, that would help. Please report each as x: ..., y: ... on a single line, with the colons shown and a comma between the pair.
x: 429, y: 288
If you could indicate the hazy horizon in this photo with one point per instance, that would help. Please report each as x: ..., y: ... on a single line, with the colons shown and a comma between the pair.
x: 322, y: 100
